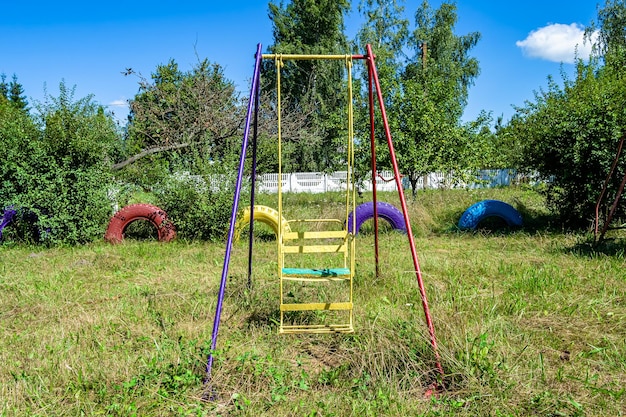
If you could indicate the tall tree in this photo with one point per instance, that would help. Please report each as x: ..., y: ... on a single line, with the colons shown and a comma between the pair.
x: 436, y: 82
x: 177, y: 110
x: 610, y: 28
x: 310, y: 86
x: 428, y: 88
x: 13, y: 92
x: 386, y: 30
x: 4, y: 87
x: 16, y: 94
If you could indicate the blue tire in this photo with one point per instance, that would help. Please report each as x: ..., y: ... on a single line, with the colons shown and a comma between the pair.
x: 385, y: 211
x: 478, y: 212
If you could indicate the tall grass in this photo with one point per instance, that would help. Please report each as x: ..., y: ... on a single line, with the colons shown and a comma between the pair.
x: 529, y: 322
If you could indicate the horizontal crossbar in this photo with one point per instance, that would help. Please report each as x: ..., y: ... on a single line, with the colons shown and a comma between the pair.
x: 329, y: 234
x: 305, y: 57
x: 316, y: 306
x: 315, y: 249
x: 321, y: 273
x: 317, y: 329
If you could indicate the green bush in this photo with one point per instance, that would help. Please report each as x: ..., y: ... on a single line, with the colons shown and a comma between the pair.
x: 198, y: 210
x: 54, y: 166
x: 570, y: 137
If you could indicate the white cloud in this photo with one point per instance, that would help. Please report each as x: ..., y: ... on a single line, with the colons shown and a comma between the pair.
x: 557, y: 42
x: 118, y: 103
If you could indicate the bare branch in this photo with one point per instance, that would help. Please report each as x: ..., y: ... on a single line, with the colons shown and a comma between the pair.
x: 146, y: 152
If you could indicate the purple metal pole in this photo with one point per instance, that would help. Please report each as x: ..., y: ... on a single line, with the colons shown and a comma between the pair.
x: 253, y: 182
x: 233, y: 216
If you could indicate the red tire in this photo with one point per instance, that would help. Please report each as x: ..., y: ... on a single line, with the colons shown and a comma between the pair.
x: 120, y: 221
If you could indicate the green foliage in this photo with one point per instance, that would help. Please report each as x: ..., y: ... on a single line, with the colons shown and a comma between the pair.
x: 311, y: 87
x: 183, y: 111
x: 56, y: 167
x: 183, y: 135
x: 436, y: 82
x: 199, y: 210
x: 196, y: 194
x: 611, y: 33
x: 386, y: 31
x: 425, y: 93
x: 13, y: 92
x: 570, y: 135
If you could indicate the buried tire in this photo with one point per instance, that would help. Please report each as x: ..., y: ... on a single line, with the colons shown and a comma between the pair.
x: 482, y: 210
x: 153, y: 214
x: 7, y: 217
x: 262, y: 214
x: 386, y: 211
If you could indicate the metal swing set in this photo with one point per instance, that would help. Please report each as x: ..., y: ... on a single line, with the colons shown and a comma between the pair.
x: 332, y: 240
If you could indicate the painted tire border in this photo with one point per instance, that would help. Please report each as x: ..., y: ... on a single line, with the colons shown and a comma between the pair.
x: 477, y: 212
x: 125, y: 216
x: 386, y: 211
x: 7, y: 217
x: 263, y: 214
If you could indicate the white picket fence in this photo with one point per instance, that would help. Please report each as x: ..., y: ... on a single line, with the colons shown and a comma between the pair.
x: 319, y: 182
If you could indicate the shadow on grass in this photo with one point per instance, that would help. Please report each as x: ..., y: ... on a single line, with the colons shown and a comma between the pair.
x: 263, y: 318
x: 608, y: 247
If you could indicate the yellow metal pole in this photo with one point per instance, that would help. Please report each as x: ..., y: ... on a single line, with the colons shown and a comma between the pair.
x: 278, y: 64
x: 351, y: 182
x: 297, y: 57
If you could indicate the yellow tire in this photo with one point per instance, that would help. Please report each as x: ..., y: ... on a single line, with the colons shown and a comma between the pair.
x: 262, y: 214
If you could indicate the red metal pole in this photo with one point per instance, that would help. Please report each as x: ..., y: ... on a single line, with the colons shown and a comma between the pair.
x: 418, y: 272
x: 373, y: 149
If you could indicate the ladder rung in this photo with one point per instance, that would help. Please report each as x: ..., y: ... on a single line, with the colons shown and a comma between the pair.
x: 316, y: 306
x: 315, y: 248
x: 316, y: 273
x: 327, y: 234
x: 317, y: 329
x: 314, y: 279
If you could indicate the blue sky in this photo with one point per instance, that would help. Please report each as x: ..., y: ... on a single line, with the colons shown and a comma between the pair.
x: 90, y: 44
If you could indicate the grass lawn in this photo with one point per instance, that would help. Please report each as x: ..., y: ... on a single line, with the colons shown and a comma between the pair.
x: 529, y: 323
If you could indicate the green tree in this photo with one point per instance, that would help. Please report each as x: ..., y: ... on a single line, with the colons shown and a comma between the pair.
x: 4, y: 87
x: 16, y: 94
x: 427, y: 90
x: 611, y: 33
x: 196, y: 112
x: 310, y: 87
x: 569, y: 134
x: 13, y: 92
x: 386, y: 31
x: 184, y: 139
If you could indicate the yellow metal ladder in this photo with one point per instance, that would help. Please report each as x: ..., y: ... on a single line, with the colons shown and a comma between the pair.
x: 305, y: 287
x: 301, y: 287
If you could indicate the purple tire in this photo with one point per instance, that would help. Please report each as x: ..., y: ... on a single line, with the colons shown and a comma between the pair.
x: 386, y: 211
x: 7, y: 217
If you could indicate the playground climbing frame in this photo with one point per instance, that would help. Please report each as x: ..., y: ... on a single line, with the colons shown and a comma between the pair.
x: 345, y: 237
